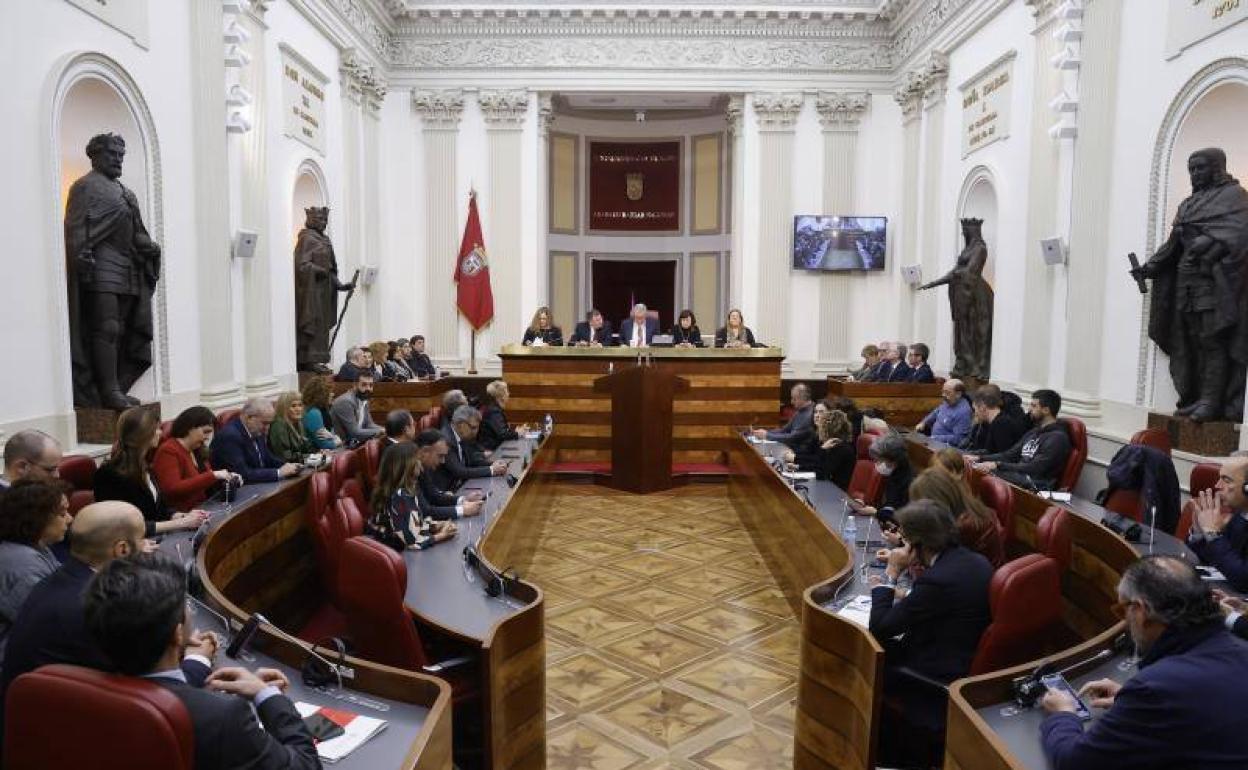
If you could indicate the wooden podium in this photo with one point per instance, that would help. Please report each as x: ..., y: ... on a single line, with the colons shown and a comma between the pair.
x: 641, y: 426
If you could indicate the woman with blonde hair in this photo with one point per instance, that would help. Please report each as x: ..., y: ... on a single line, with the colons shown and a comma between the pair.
x: 977, y: 526
x: 495, y: 429
x: 951, y: 460
x: 286, y: 437
x: 381, y: 354
x: 734, y: 333
x: 837, y: 454
x: 542, y: 329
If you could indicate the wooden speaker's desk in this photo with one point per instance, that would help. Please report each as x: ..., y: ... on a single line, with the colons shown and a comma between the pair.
x: 728, y: 390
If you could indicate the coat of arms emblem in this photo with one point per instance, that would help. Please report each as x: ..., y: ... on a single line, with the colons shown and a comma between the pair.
x: 633, y: 185
x: 473, y: 262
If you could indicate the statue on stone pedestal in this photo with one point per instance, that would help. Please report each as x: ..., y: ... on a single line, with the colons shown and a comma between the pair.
x: 112, y: 266
x: 970, y: 304
x: 316, y: 292
x: 1199, y: 312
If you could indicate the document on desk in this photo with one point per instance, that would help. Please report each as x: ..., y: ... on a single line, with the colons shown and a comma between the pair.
x: 857, y: 610
x: 356, y: 730
x: 799, y: 475
x: 761, y: 441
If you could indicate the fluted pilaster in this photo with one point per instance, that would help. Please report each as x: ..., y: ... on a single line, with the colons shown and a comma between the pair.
x: 777, y: 114
x: 909, y: 96
x: 505, y: 113
x: 935, y: 80
x: 440, y: 112
x: 840, y: 114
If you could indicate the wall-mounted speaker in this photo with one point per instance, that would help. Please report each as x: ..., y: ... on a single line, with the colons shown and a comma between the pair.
x: 1053, y: 251
x: 368, y: 276
x: 245, y: 244
x: 912, y: 274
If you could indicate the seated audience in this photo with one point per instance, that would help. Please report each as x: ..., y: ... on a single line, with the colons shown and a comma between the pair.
x: 51, y: 629
x: 1036, y: 460
x: 358, y: 360
x: 465, y: 460
x: 494, y: 426
x: 135, y: 610
x: 893, y: 368
x: 287, y: 439
x: 350, y: 415
x: 451, y: 400
x: 242, y: 446
x: 870, y: 360
x: 400, y: 428
x: 379, y: 353
x: 977, y: 525
x: 436, y: 501
x: 734, y: 333
x: 127, y: 474
x: 1182, y: 707
x: 935, y: 628
x: 317, y: 397
x: 799, y: 433
x: 180, y: 466
x: 593, y: 332
x: 916, y: 360
x: 419, y: 360
x: 30, y: 454
x: 893, y: 463
x: 950, y: 422
x: 397, y: 521
x: 542, y: 329
x: 639, y: 328
x: 396, y: 362
x: 1219, y: 533
x: 34, y: 515
x: 993, y: 430
x: 686, y: 334
x: 837, y: 454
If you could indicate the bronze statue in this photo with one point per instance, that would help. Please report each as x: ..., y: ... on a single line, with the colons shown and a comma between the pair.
x: 112, y: 269
x: 1199, y: 312
x: 316, y: 292
x: 970, y: 303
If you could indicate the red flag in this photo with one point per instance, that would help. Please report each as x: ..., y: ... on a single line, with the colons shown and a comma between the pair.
x: 472, y: 272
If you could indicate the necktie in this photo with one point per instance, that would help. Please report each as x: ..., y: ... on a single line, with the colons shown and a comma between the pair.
x: 636, y: 335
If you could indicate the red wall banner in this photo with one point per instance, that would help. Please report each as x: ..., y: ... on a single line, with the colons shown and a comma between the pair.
x: 634, y: 186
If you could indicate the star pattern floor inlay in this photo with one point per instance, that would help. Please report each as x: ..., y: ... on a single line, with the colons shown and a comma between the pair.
x: 669, y: 643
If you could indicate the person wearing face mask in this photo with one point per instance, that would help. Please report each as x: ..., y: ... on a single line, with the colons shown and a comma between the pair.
x: 893, y: 463
x: 1037, y: 459
x: 1184, y: 705
x: 933, y: 630
x: 181, y: 468
x: 349, y: 412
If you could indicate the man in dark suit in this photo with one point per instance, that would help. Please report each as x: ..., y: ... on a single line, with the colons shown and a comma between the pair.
x: 434, y: 500
x: 799, y: 433
x: 993, y: 430
x: 639, y: 329
x: 400, y: 427
x: 939, y: 621
x: 451, y: 400
x: 358, y: 360
x: 893, y: 368
x: 136, y: 610
x: 1183, y: 707
x: 242, y: 446
x: 419, y: 362
x: 1219, y: 534
x: 593, y: 332
x: 916, y: 360
x: 464, y: 459
x: 49, y: 628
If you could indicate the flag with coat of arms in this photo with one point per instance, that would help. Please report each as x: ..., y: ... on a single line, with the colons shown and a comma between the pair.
x: 473, y: 296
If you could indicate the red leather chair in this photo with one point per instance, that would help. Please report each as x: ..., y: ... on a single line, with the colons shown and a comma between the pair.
x: 1025, y: 597
x: 111, y: 716
x: 78, y: 471
x: 1157, y: 439
x: 372, y: 460
x: 349, y: 520
x: 1078, y: 453
x: 1127, y: 502
x: 427, y: 422
x: 345, y: 465
x: 866, y: 484
x: 318, y: 514
x: 435, y: 415
x: 1203, y: 476
x: 352, y: 491
x: 999, y: 496
x: 79, y: 499
x: 1053, y: 535
x: 1188, y: 515
x: 863, y: 445
x: 225, y: 415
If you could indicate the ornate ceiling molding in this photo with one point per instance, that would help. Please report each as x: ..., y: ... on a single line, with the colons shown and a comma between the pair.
x: 361, y: 82
x: 777, y: 111
x: 504, y: 109
x: 439, y: 109
x: 841, y: 111
x: 929, y: 17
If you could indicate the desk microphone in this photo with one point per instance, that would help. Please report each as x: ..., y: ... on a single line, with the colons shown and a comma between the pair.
x: 1028, y: 689
x: 309, y: 649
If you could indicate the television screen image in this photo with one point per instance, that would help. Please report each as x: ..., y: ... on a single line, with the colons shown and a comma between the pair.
x: 839, y: 243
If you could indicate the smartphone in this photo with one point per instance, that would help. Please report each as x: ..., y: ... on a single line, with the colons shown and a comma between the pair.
x: 1058, y: 682
x: 322, y: 727
x: 243, y: 636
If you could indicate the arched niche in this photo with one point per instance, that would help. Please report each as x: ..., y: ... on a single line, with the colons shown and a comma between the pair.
x: 309, y: 190
x: 979, y: 201
x: 92, y: 94
x: 1209, y: 111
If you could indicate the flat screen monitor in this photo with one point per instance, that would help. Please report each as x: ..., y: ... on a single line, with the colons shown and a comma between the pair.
x: 836, y: 243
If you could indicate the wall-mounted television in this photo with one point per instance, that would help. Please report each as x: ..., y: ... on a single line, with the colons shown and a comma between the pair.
x: 835, y: 243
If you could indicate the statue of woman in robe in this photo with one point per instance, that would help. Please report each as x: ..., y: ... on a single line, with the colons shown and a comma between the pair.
x: 970, y: 303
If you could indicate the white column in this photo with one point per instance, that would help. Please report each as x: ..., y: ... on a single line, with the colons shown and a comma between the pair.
x: 1090, y: 205
x: 219, y: 385
x: 935, y: 77
x: 840, y: 114
x: 540, y: 293
x: 504, y: 113
x: 777, y: 114
x: 254, y: 215
x: 371, y: 205
x: 910, y: 97
x: 440, y: 113
x: 356, y: 227
x: 734, y: 115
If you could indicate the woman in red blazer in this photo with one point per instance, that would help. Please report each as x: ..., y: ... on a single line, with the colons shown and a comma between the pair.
x: 180, y: 466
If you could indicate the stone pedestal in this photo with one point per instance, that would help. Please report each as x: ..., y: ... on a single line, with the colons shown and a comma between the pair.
x: 1211, y: 439
x: 99, y: 426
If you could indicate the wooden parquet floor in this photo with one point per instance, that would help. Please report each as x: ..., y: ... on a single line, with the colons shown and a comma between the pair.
x: 668, y: 643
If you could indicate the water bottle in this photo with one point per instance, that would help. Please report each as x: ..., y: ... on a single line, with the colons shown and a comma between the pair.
x: 550, y: 423
x: 850, y: 532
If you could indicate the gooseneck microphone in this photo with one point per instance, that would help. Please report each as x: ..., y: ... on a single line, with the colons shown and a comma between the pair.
x: 1028, y: 689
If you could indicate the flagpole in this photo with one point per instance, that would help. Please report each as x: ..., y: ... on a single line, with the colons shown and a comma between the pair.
x: 472, y: 355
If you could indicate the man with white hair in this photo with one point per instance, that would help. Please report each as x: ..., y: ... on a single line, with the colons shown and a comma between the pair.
x: 638, y: 330
x: 359, y: 359
x: 30, y: 454
x: 242, y: 446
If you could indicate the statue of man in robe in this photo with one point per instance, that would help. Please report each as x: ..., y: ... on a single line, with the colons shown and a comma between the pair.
x: 971, y: 304
x: 112, y: 269
x: 316, y: 292
x: 1199, y: 312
